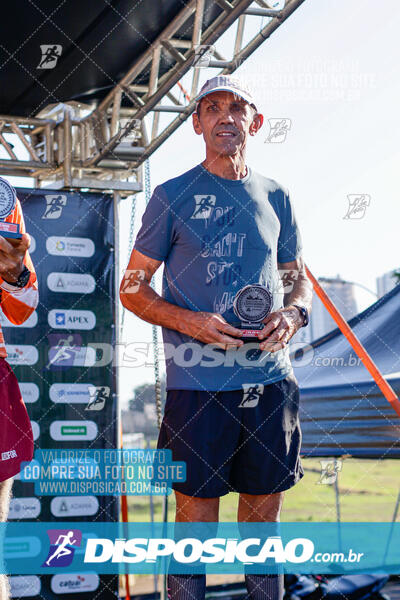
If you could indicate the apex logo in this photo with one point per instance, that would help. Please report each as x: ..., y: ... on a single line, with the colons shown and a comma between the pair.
x: 98, y: 397
x: 251, y: 395
x: 54, y: 206
x: 63, y: 543
x: 204, y: 206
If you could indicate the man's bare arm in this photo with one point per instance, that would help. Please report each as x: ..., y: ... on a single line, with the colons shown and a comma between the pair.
x: 137, y: 295
x: 282, y: 324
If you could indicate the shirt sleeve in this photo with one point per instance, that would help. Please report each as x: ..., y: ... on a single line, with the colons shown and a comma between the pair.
x: 289, y: 242
x: 156, y: 235
x: 19, y: 303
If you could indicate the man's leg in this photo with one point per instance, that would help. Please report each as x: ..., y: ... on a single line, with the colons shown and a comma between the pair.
x: 196, y: 510
x: 262, y: 508
x: 5, y: 497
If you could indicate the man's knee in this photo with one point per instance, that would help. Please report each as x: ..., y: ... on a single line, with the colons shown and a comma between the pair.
x: 190, y: 508
x: 262, y: 507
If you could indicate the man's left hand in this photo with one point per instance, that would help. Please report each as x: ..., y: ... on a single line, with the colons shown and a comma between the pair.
x: 279, y: 327
x: 12, y: 252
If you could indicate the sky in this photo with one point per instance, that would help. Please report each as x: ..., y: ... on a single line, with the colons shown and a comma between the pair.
x: 331, y: 70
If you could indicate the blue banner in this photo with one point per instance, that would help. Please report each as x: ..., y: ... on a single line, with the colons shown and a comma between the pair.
x: 107, y: 548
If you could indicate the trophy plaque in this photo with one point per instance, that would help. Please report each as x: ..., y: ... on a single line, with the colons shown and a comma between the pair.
x: 8, y: 199
x: 251, y: 305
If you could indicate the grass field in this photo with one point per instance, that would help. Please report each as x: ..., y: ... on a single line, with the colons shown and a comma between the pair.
x: 367, y: 492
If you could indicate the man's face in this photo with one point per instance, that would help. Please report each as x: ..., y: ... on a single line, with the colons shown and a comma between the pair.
x: 226, y: 121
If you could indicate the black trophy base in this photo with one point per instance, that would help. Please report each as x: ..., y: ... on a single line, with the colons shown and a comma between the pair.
x: 249, y: 332
x: 10, y: 230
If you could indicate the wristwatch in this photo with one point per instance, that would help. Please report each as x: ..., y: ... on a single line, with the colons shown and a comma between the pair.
x: 22, y: 279
x: 304, y: 313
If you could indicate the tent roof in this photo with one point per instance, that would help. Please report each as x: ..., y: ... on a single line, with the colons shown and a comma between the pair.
x: 342, y: 410
x: 99, y: 41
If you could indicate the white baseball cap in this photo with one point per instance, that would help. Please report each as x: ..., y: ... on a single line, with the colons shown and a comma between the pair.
x: 226, y: 83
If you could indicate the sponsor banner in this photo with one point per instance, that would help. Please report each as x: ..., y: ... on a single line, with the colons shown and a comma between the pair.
x: 73, y: 255
x: 74, y: 506
x: 22, y: 587
x: 24, y: 508
x: 71, y: 283
x: 70, y: 246
x: 59, y: 318
x: 70, y: 393
x: 67, y: 548
x: 29, y: 323
x: 73, y: 430
x: 30, y: 392
x: 22, y: 354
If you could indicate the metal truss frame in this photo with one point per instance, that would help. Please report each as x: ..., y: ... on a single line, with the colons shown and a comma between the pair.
x: 70, y: 147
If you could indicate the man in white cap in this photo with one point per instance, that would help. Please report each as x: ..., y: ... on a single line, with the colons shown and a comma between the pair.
x: 231, y: 416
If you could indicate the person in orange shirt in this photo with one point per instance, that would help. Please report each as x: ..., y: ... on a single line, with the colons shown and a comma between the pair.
x: 18, y: 299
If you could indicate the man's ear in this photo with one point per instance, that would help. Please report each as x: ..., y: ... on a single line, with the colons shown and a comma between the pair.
x: 196, y: 123
x: 256, y: 124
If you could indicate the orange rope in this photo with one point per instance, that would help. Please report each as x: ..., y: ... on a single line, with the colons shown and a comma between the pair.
x: 184, y: 91
x: 359, y: 349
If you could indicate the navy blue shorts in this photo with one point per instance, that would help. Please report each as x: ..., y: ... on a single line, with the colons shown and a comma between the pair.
x: 245, y: 441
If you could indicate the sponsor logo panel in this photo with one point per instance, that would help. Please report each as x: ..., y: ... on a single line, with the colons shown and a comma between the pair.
x: 71, y: 283
x: 70, y: 246
x: 30, y: 392
x: 74, y: 582
x: 30, y: 322
x: 22, y: 354
x: 73, y: 430
x: 35, y: 430
x: 70, y: 393
x: 59, y: 318
x: 74, y: 506
x: 25, y: 586
x: 24, y: 508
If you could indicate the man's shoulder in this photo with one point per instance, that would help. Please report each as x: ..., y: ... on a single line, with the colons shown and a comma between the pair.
x: 180, y: 182
x: 271, y: 185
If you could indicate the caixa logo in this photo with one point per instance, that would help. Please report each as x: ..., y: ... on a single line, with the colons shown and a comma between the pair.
x: 74, y: 582
x: 71, y: 319
x: 70, y: 246
x: 63, y: 543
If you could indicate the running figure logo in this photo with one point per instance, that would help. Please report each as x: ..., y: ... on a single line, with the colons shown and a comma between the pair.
x: 50, y: 55
x: 98, y: 397
x: 63, y: 543
x: 204, y: 206
x: 251, y: 395
x: 54, y: 206
x: 329, y: 471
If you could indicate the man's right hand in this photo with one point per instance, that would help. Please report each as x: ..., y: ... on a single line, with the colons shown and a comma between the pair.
x: 211, y: 328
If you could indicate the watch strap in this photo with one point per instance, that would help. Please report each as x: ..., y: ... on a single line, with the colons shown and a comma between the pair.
x: 21, y: 281
x: 304, y: 312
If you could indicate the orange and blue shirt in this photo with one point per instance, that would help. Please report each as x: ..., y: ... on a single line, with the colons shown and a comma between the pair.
x: 18, y: 304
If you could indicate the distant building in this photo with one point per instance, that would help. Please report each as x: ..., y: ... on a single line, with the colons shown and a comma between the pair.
x: 342, y: 295
x: 385, y: 283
